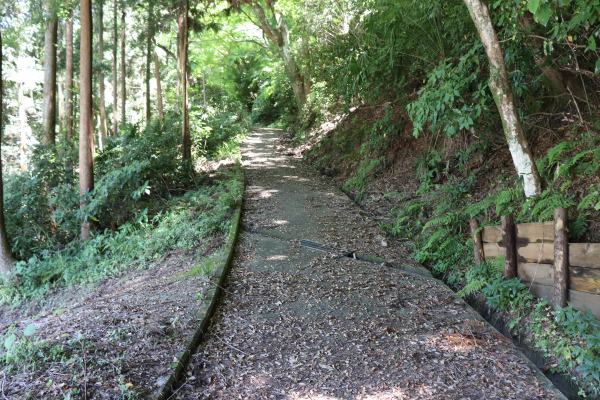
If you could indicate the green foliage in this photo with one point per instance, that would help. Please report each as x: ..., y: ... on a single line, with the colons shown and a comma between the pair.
x: 479, y: 276
x: 358, y: 183
x: 185, y: 222
x: 453, y: 98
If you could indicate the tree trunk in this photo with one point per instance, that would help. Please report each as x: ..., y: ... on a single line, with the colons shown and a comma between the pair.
x: 159, y: 99
x: 24, y: 128
x: 186, y: 143
x: 280, y: 38
x: 49, y: 106
x: 149, y: 34
x: 69, y: 78
x: 86, y: 134
x: 503, y: 96
x: 6, y: 260
x: 115, y: 93
x: 123, y: 70
x: 103, y: 121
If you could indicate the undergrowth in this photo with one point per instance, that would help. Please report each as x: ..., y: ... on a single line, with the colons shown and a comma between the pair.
x: 437, y: 221
x: 185, y: 222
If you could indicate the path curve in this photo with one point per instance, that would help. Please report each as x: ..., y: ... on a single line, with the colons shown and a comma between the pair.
x: 302, y: 324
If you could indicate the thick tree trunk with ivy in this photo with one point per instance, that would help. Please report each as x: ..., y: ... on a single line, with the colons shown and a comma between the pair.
x: 69, y: 78
x: 86, y: 133
x: 503, y: 96
x: 186, y: 142
x: 279, y: 36
x: 49, y: 106
x: 6, y: 260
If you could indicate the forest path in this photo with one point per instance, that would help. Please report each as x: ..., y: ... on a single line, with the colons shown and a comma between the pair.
x: 297, y: 323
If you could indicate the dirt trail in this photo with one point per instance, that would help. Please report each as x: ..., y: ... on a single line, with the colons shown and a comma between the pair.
x: 301, y: 324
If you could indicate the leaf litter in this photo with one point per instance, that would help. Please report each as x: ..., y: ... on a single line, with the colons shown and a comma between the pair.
x: 299, y: 324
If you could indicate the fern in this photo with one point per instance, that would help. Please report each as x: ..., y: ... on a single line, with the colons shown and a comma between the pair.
x: 589, y: 200
x: 541, y: 208
x: 472, y: 287
x: 480, y: 207
x: 578, y: 226
x: 506, y: 198
x: 444, y: 220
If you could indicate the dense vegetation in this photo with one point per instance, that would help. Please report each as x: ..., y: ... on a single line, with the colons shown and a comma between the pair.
x: 366, y: 85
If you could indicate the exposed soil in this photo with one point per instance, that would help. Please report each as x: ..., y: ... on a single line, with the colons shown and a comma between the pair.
x: 301, y: 324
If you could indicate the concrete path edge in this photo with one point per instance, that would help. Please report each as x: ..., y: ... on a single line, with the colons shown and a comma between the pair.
x: 209, y: 304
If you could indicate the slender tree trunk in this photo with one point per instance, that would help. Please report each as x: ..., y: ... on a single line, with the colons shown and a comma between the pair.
x: 149, y: 34
x: 159, y: 99
x: 123, y: 70
x: 86, y: 133
x: 503, y: 96
x: 178, y: 85
x: 6, y: 260
x: 61, y: 101
x: 24, y: 128
x: 69, y: 78
x: 279, y: 36
x: 115, y: 89
x: 49, y: 106
x: 102, y: 106
x: 186, y: 143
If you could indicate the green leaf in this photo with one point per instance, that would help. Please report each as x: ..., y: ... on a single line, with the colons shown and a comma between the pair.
x: 591, y: 44
x: 533, y: 5
x: 9, y: 341
x: 30, y: 330
x: 543, y: 14
x: 597, y: 71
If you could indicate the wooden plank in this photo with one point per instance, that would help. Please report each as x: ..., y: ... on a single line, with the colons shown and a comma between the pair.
x: 542, y: 253
x: 536, y: 232
x: 528, y: 233
x: 584, y: 255
x: 538, y: 273
x: 492, y: 234
x: 585, y: 279
x: 492, y: 250
x: 581, y: 279
x: 585, y: 301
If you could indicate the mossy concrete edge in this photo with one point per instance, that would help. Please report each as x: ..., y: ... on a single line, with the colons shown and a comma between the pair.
x: 209, y: 305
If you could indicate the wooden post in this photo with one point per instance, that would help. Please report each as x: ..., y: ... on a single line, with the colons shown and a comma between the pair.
x: 561, y: 258
x: 510, y: 247
x: 477, y: 242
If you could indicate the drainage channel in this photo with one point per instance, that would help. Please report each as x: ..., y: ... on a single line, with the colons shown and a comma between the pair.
x: 310, y: 244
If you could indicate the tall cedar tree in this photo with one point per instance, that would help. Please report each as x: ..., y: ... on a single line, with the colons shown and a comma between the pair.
x: 86, y: 132
x: 186, y: 142
x: 49, y: 106
x: 6, y: 260
x: 69, y: 78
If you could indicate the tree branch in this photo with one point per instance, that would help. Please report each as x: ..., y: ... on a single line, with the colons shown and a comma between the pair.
x: 169, y: 52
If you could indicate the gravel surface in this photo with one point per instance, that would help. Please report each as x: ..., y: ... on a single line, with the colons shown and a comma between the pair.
x: 301, y: 324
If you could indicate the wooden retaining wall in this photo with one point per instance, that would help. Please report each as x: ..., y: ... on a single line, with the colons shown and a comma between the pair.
x: 572, y: 275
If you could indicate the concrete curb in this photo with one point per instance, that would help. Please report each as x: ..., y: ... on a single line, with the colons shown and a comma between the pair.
x: 209, y: 304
